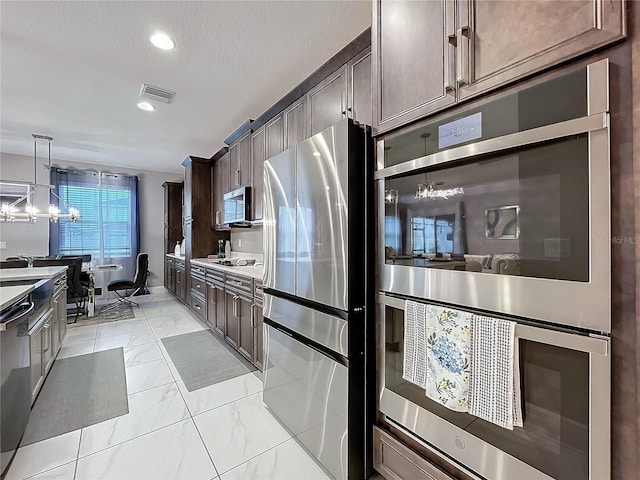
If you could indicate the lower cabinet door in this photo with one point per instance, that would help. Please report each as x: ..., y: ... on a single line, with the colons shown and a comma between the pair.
x: 231, y: 324
x: 221, y: 313
x: 37, y: 374
x: 62, y: 317
x: 258, y: 336
x: 245, y: 323
x: 211, y: 306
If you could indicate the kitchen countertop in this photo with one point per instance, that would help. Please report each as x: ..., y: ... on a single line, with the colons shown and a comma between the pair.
x: 247, y: 271
x: 8, y: 295
x: 33, y: 273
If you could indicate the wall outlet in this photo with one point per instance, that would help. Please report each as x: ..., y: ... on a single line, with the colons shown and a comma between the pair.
x: 3, y: 245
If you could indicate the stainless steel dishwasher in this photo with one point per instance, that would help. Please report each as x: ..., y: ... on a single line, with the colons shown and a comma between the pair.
x: 15, y: 391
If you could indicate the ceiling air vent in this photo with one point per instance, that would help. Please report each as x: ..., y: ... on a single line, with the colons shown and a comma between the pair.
x: 157, y: 94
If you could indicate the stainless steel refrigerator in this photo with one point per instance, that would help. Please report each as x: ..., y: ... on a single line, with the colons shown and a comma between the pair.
x: 319, y: 366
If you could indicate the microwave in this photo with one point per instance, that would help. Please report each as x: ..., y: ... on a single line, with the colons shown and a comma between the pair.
x: 504, y: 205
x: 237, y: 204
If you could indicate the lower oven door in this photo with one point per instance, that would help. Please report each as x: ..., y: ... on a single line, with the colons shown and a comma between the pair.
x: 565, y: 385
x: 308, y: 392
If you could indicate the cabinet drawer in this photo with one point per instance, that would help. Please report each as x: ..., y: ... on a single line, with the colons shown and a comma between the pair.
x: 397, y: 462
x: 215, y: 275
x: 199, y: 305
x: 179, y: 265
x: 198, y: 284
x: 240, y: 283
x: 198, y: 270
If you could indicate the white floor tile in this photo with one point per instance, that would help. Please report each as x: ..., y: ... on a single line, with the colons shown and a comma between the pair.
x: 141, y: 354
x: 163, y: 308
x: 239, y: 431
x: 76, y: 348
x: 126, y: 340
x: 65, y: 472
x: 287, y: 461
x: 80, y: 334
x: 45, y: 455
x: 172, y: 325
x: 148, y: 375
x: 122, y: 327
x: 174, y: 452
x: 213, y: 396
x: 148, y: 411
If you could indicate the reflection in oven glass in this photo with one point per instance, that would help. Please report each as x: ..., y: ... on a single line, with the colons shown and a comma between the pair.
x: 555, y: 393
x: 525, y: 212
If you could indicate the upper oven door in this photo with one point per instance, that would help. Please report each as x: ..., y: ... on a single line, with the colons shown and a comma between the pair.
x: 508, y: 210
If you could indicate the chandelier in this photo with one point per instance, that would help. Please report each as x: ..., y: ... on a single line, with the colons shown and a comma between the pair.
x: 10, y: 212
x: 428, y: 190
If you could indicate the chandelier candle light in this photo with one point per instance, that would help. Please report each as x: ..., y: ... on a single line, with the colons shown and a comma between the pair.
x: 9, y: 212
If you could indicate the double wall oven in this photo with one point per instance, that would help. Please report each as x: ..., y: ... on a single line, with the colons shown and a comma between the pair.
x: 503, y: 209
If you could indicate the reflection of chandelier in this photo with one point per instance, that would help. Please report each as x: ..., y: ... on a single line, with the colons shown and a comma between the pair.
x: 427, y: 190
x: 9, y: 212
x: 391, y: 196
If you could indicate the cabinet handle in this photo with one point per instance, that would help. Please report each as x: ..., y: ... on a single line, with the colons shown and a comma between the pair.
x: 234, y: 307
x: 197, y: 306
x: 449, y: 62
x: 463, y: 56
x: 238, y: 177
x: 218, y: 217
x: 236, y: 283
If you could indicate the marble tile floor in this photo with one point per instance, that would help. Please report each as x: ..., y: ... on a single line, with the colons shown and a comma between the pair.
x: 222, y: 431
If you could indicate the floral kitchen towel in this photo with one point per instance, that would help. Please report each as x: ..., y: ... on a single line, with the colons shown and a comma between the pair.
x: 494, y: 394
x: 448, y: 357
x: 414, y: 365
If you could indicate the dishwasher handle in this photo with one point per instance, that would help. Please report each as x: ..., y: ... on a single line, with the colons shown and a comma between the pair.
x: 24, y: 309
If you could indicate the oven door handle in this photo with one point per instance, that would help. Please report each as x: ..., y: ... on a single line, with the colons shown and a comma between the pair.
x: 23, y: 313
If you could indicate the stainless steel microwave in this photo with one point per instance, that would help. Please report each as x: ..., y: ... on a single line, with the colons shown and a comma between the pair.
x: 504, y: 205
x: 237, y: 205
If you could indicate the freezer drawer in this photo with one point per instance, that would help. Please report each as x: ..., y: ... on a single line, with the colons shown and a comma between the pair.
x: 308, y: 392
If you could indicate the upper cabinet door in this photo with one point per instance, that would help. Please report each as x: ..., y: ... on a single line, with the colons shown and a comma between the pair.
x: 295, y: 123
x: 413, y: 60
x: 360, y: 103
x: 501, y: 41
x: 327, y: 102
x: 257, y: 165
x: 240, y: 161
x: 274, y: 136
x: 221, y: 186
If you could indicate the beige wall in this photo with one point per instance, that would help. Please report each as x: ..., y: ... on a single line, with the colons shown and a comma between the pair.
x: 33, y: 239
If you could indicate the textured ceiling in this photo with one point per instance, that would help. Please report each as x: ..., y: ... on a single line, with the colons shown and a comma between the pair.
x: 73, y: 70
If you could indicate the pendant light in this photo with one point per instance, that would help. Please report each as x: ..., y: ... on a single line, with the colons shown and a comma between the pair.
x: 10, y: 212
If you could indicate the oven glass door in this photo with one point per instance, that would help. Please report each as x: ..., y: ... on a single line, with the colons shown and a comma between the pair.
x: 556, y: 404
x: 523, y: 213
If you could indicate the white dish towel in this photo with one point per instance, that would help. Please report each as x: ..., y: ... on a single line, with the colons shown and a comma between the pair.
x: 494, y: 394
x: 448, y: 357
x: 414, y: 365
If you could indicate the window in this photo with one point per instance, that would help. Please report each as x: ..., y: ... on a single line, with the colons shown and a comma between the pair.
x: 108, y: 226
x: 432, y: 234
x: 104, y: 230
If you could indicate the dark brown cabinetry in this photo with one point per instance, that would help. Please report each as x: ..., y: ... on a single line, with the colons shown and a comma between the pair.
x: 461, y: 48
x: 181, y: 280
x: 231, y: 323
x: 327, y: 102
x: 490, y: 55
x: 240, y: 162
x: 410, y: 83
x: 397, y: 462
x: 295, y: 123
x: 274, y: 136
x: 257, y: 164
x: 239, y: 298
x: 258, y: 337
x: 199, y: 291
x: 359, y: 102
x: 216, y: 311
x: 220, y: 183
x: 173, y: 231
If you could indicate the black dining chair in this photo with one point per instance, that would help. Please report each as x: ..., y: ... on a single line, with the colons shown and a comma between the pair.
x: 14, y: 264
x: 133, y: 286
x: 77, y: 293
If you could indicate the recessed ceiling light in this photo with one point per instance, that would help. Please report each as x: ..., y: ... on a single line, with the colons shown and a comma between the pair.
x: 146, y: 106
x: 162, y: 41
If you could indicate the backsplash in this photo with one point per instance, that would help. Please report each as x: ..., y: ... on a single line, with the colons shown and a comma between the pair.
x: 247, y: 240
